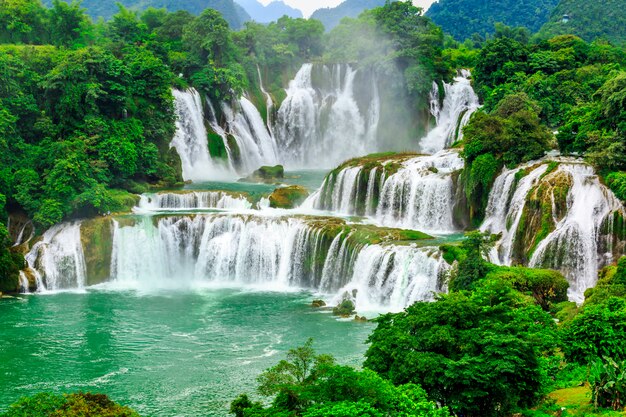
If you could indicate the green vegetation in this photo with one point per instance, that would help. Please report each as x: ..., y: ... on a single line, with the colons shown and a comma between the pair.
x: 589, y: 20
x: 465, y: 19
x: 234, y: 14
x: 70, y: 405
x: 332, y: 16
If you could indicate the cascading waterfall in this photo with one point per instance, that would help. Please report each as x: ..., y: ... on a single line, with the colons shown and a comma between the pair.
x: 193, y: 200
x: 255, y: 143
x: 505, y: 207
x: 58, y: 259
x: 271, y: 252
x: 573, y: 245
x: 320, y: 122
x: 269, y: 103
x: 190, y: 139
x: 414, y: 193
x: 24, y: 284
x: 459, y: 103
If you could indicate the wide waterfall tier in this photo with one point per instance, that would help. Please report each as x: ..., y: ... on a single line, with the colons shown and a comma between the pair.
x: 556, y: 214
x: 459, y: 103
x: 193, y: 200
x: 398, y: 190
x: 378, y: 267
x: 336, y: 112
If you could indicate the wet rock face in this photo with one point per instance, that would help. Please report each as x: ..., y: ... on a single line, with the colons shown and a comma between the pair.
x: 97, y: 242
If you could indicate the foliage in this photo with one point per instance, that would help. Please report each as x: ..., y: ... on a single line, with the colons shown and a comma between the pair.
x: 311, y: 385
x: 547, y: 287
x: 479, y: 354
x: 598, y: 331
x: 472, y: 267
x: 608, y: 383
x: 70, y: 405
x: 589, y: 20
x: 465, y: 18
x: 345, y: 308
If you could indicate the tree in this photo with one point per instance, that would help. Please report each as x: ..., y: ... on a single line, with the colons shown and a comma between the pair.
x: 473, y: 266
x: 70, y: 405
x: 69, y: 23
x: 598, y: 331
x: 479, y: 354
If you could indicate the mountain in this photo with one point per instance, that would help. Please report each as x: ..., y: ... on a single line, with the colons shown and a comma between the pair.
x: 234, y: 14
x: 463, y: 18
x: 589, y: 20
x: 331, y: 16
x: 270, y: 13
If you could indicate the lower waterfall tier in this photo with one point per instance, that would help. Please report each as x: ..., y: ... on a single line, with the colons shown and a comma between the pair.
x: 376, y: 267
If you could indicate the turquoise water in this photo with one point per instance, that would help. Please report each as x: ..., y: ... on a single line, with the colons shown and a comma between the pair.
x: 175, y: 354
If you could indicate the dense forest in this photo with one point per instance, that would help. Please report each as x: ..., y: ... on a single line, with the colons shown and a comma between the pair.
x: 332, y: 16
x: 589, y: 20
x: 234, y: 14
x: 462, y: 19
x: 86, y: 120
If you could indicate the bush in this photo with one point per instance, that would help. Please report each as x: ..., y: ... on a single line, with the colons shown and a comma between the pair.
x: 69, y: 405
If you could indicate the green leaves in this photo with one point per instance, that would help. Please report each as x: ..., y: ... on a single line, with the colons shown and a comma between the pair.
x: 478, y: 354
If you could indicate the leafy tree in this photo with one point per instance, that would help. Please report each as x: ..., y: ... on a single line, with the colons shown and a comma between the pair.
x: 69, y: 24
x: 473, y: 266
x: 479, y: 354
x: 608, y: 383
x: 598, y: 331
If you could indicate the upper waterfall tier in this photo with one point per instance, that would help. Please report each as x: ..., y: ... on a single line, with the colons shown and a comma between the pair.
x: 190, y: 139
x: 331, y: 113
x: 556, y: 214
x: 459, y: 103
x: 402, y: 190
x: 244, y: 137
x: 377, y: 267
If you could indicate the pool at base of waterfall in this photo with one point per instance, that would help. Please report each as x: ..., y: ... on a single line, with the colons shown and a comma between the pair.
x: 164, y: 354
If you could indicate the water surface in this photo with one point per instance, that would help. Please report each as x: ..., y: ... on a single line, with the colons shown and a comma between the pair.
x: 167, y: 354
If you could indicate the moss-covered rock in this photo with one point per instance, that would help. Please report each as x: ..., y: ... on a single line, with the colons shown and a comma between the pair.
x: 96, y: 236
x: 344, y: 309
x: 318, y: 303
x: 266, y: 174
x: 546, y: 205
x: 288, y: 197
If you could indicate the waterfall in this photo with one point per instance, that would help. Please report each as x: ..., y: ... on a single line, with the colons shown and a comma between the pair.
x: 414, y: 192
x: 272, y: 253
x: 193, y: 200
x: 505, y: 208
x: 459, y: 103
x: 269, y: 103
x: 58, y: 259
x: 320, y: 123
x: 572, y: 245
x: 396, y: 277
x: 24, y: 284
x: 190, y: 139
x: 255, y: 144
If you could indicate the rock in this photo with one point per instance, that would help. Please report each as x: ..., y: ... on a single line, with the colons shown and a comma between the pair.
x: 361, y: 319
x: 96, y: 236
x: 266, y: 174
x: 288, y: 197
x: 345, y: 309
x: 318, y: 303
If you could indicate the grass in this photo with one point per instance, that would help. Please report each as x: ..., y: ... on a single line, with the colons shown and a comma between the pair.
x: 570, y: 402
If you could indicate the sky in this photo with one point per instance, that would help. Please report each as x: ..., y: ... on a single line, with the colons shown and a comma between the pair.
x: 309, y: 6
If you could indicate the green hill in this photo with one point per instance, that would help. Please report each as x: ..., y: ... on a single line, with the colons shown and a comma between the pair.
x: 463, y: 18
x: 331, y: 16
x: 234, y: 14
x: 589, y: 20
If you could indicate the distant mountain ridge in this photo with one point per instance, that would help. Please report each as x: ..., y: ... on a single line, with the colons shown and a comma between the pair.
x: 463, y: 18
x: 270, y: 13
x: 234, y: 14
x: 589, y: 20
x: 331, y: 17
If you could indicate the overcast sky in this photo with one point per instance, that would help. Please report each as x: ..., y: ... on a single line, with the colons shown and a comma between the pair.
x: 309, y: 6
